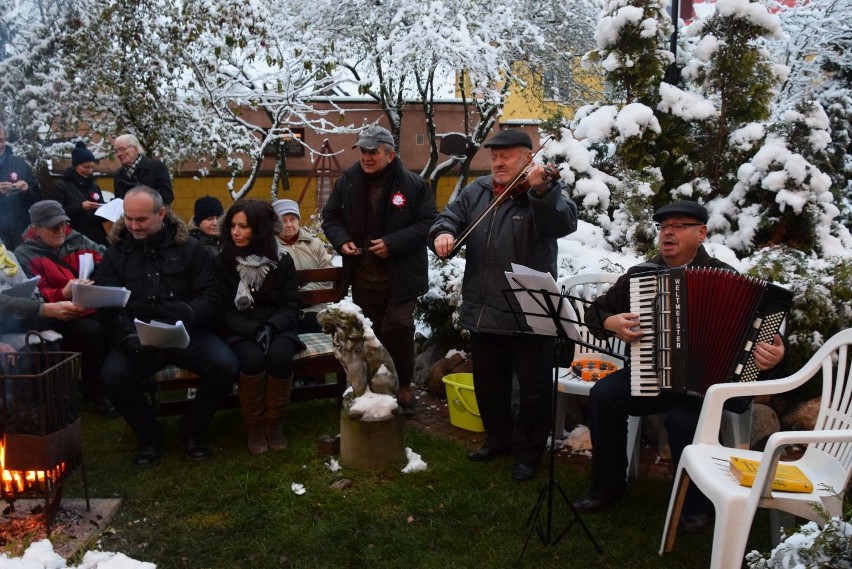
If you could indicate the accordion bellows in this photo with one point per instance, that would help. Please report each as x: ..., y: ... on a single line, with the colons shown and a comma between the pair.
x: 700, y: 327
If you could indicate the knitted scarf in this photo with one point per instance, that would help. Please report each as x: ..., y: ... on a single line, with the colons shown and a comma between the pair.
x: 9, y: 266
x: 253, y: 270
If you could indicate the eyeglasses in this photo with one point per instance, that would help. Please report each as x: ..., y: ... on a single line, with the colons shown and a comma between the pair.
x: 59, y: 227
x: 121, y: 150
x: 675, y: 226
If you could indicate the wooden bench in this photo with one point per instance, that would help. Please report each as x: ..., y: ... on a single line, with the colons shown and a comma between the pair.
x: 172, y: 388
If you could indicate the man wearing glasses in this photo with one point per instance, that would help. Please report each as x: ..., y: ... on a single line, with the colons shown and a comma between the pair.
x: 681, y: 229
x: 139, y: 170
x: 18, y: 191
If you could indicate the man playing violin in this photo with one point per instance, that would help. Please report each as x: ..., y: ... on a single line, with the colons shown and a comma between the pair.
x: 531, y: 212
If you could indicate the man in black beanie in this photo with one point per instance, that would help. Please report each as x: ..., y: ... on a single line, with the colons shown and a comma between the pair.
x: 80, y: 196
x: 204, y: 225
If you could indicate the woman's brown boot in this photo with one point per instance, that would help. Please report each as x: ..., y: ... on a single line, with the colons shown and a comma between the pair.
x: 252, y: 392
x: 277, y: 401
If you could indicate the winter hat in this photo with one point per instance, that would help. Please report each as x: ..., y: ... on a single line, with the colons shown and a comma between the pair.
x: 81, y: 154
x: 373, y: 136
x: 686, y: 208
x: 207, y: 206
x: 47, y: 213
x: 283, y: 207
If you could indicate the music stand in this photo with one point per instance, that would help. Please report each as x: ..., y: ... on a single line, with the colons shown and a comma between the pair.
x: 536, y: 304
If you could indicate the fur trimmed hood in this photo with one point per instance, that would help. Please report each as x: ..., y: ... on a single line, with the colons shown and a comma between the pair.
x: 119, y: 230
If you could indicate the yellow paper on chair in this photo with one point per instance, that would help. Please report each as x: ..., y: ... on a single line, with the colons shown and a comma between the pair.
x: 788, y: 477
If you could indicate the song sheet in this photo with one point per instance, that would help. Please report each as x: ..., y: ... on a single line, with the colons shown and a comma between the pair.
x: 531, y: 288
x: 161, y: 334
x: 87, y: 265
x: 112, y: 210
x: 23, y: 289
x: 94, y: 296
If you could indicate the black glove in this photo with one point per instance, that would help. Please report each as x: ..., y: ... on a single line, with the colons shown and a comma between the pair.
x: 174, y: 310
x: 264, y: 336
x: 131, y: 346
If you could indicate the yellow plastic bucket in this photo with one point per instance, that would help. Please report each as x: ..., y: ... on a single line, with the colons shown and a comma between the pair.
x: 461, y: 399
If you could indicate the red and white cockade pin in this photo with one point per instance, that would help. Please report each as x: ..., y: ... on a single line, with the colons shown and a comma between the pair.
x: 94, y: 197
x: 398, y: 200
x: 13, y: 177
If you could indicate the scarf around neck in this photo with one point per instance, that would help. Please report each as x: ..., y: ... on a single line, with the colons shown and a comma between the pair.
x: 252, y: 270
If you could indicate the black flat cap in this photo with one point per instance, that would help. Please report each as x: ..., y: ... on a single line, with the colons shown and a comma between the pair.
x: 690, y: 209
x: 509, y: 137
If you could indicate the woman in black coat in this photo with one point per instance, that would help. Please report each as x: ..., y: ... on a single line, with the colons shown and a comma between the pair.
x: 80, y: 195
x: 260, y: 292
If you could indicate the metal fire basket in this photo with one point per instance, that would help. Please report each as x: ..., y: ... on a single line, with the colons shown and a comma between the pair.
x: 41, y: 438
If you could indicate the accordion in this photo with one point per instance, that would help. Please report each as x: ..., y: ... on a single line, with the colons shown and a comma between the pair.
x: 700, y: 327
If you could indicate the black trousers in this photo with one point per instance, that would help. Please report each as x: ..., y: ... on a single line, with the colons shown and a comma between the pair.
x: 610, y: 403
x: 393, y: 324
x: 207, y: 355
x: 496, y: 359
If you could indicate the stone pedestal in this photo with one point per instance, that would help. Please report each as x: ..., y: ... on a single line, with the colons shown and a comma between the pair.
x: 372, y: 445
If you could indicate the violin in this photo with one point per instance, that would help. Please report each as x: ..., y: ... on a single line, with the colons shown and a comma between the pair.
x: 520, y: 184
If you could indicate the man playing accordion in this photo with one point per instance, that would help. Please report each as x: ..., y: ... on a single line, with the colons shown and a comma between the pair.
x: 682, y: 230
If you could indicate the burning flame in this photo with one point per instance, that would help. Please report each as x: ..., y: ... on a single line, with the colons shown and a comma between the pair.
x: 19, y: 481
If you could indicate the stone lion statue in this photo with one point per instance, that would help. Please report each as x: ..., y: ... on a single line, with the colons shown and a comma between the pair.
x: 366, y: 361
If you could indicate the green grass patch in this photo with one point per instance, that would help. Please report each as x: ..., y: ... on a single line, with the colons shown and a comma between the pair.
x: 238, y: 510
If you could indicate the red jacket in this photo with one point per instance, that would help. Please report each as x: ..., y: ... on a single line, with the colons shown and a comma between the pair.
x: 56, y: 268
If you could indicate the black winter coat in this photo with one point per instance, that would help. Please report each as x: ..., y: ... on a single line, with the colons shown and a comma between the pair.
x: 275, y: 303
x: 149, y: 172
x: 404, y: 231
x: 71, y: 191
x: 170, y: 277
x: 522, y: 230
x: 15, y: 206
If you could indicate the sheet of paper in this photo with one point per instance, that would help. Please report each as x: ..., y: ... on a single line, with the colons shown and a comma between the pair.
x: 162, y: 335
x: 23, y: 289
x: 112, y: 210
x: 94, y: 296
x: 533, y: 289
x: 87, y: 265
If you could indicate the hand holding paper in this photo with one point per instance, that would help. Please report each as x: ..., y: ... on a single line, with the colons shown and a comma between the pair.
x: 94, y: 296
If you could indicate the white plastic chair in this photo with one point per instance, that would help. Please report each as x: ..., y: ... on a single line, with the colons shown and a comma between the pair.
x: 827, y: 462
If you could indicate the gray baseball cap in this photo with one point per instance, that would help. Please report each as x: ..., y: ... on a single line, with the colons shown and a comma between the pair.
x: 47, y: 213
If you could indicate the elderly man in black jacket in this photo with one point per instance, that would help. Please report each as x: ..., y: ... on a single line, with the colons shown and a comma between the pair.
x: 139, y: 170
x: 170, y: 277
x: 377, y: 218
x: 521, y: 230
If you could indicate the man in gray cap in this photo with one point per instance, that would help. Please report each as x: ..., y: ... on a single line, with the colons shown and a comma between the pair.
x: 522, y: 230
x: 682, y: 230
x: 377, y: 218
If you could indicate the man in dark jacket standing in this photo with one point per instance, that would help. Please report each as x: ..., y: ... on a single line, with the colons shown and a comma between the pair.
x: 18, y: 191
x: 139, y: 170
x: 170, y: 277
x: 520, y: 230
x: 377, y: 218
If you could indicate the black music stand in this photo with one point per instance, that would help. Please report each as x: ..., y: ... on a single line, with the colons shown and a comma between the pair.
x: 550, y: 305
